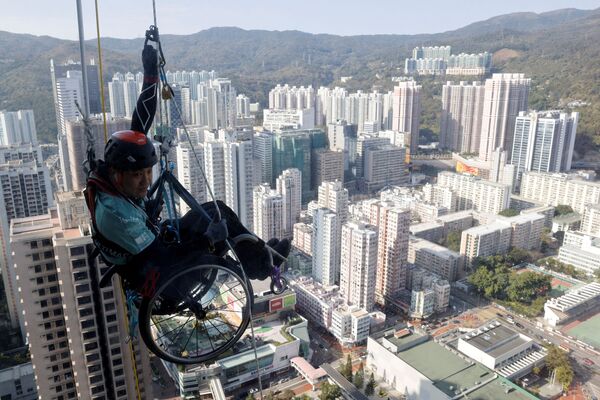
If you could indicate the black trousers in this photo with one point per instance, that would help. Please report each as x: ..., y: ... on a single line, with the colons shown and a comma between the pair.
x: 163, y: 258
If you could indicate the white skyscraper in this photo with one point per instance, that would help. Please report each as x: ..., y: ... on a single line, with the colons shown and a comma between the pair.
x: 407, y: 111
x: 358, y: 265
x: 116, y: 95
x: 462, y: 108
x: 25, y: 192
x: 505, y: 96
x: 268, y: 212
x: 326, y: 246
x: 334, y: 196
x: 214, y: 167
x: 17, y: 127
x: 239, y: 179
x: 289, y: 186
x: 189, y: 174
x: 544, y: 141
x: 392, y: 250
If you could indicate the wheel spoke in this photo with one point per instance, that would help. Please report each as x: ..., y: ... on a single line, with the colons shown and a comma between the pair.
x: 228, y: 290
x: 179, y: 327
x: 221, y: 333
x: 208, y: 334
x: 189, y: 337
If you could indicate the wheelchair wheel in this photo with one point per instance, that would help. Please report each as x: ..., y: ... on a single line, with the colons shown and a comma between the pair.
x: 197, y: 313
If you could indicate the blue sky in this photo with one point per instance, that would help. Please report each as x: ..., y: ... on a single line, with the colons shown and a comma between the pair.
x: 130, y: 18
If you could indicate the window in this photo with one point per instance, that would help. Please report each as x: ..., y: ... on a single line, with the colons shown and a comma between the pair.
x: 82, y: 288
x: 41, y: 292
x: 89, y: 335
x: 51, y: 347
x: 89, y: 323
x: 120, y: 383
x: 115, y: 351
x: 62, y: 345
x: 44, y: 303
x: 91, y: 346
x: 64, y: 354
x: 119, y: 372
x: 79, y: 263
x: 52, y: 278
x: 46, y: 242
x: 111, y: 318
x: 113, y: 340
x: 49, y: 336
x: 121, y: 392
x: 94, y: 368
x: 109, y: 295
x: 85, y: 312
x: 97, y: 389
x: 80, y: 276
x: 84, y: 300
x: 47, y: 325
x: 48, y: 254
x: 55, y: 300
x: 66, y: 365
x: 39, y: 281
x: 50, y: 267
x: 35, y: 257
x: 61, y: 334
x: 96, y: 379
x: 54, y: 289
x: 77, y: 251
x: 113, y: 329
x: 33, y: 244
x: 117, y: 361
x: 54, y: 368
x: 109, y: 306
x: 37, y: 268
x: 60, y: 322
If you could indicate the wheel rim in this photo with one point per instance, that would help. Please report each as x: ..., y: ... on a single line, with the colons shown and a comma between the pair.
x: 190, y: 323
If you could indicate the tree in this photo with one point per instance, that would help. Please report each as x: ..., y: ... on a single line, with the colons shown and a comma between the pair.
x: 329, y: 391
x: 564, y: 375
x: 562, y: 209
x: 517, y: 256
x: 536, y: 370
x: 250, y: 397
x: 597, y: 274
x: 359, y: 377
x: 509, y: 212
x: 452, y: 241
x: 370, y: 388
x: 287, y: 394
x: 527, y: 286
x: 347, y: 368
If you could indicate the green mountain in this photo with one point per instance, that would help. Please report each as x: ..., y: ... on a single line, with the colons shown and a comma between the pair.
x: 558, y: 50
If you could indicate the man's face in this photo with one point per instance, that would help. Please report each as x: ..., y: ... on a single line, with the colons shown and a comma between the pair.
x: 134, y: 183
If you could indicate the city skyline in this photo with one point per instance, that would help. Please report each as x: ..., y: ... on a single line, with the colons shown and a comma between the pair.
x: 186, y: 17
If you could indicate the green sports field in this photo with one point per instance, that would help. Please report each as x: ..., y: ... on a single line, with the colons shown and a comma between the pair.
x: 587, y: 331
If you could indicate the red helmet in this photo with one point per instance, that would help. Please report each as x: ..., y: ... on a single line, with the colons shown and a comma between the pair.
x: 129, y: 151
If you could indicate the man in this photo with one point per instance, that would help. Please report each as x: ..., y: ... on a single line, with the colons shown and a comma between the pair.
x: 116, y: 196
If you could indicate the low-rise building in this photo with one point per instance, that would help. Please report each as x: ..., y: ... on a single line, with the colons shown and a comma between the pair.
x: 18, y: 382
x: 576, y: 302
x: 581, y: 251
x: 420, y: 368
x: 567, y: 222
x: 509, y: 353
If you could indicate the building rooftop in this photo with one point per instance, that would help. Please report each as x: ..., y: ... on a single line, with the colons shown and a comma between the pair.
x: 494, y: 339
x: 424, y: 226
x: 567, y: 218
x: 440, y: 251
x: 575, y: 297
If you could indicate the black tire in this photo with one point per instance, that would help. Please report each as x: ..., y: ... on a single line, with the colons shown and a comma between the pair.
x: 208, y: 317
x: 278, y: 290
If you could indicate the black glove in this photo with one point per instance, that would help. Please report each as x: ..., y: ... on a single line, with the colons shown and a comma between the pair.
x: 150, y: 60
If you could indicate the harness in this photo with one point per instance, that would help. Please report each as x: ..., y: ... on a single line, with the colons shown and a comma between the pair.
x: 96, y: 182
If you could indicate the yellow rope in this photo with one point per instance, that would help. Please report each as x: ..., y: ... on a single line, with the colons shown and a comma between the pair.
x: 123, y: 298
x: 101, y: 77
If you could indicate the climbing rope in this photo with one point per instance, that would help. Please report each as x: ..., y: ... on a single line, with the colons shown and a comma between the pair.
x: 130, y: 314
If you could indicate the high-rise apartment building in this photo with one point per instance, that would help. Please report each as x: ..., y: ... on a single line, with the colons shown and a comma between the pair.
x: 590, y: 222
x: 289, y: 186
x: 214, y: 167
x: 268, y: 212
x: 358, y: 265
x: 327, y: 166
x: 544, y: 142
x: 25, y: 192
x: 17, y: 127
x: 239, y: 179
x: 484, y: 241
x: 474, y: 193
x: 334, y: 196
x: 462, y: 108
x: 75, y: 330
x: 407, y: 112
x: 116, y: 95
x: 60, y: 71
x: 385, y: 166
x: 288, y: 119
x: 326, y: 246
x: 363, y: 143
x: 303, y: 235
x: 435, y: 258
x: 559, y: 188
x: 392, y: 249
x: 505, y: 96
x: 291, y: 98
x: 189, y: 173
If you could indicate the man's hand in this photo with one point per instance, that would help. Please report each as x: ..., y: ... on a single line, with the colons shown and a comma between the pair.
x: 150, y: 60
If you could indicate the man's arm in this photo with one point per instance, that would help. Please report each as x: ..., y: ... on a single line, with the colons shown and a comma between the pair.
x: 145, y: 108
